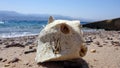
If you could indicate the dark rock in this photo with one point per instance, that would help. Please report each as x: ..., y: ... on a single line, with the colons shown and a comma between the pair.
x: 89, y: 39
x: 115, y: 43
x: 105, y: 42
x: 31, y: 47
x: 14, y: 45
x: 14, y: 60
x: 98, y: 43
x: 30, y: 51
x: 29, y: 42
x: 100, y: 46
x: 109, y: 38
x: 4, y: 60
x: 1, y: 59
x: 30, y: 65
x: 113, y: 24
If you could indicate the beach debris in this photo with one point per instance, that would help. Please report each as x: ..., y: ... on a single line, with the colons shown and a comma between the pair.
x: 6, y: 65
x: 29, y: 42
x: 1, y: 42
x: 1, y: 59
x: 97, y: 43
x: 108, y: 38
x: 4, y: 60
x: 60, y: 40
x: 14, y: 45
x: 30, y: 65
x: 31, y: 47
x: 100, y: 45
x: 92, y: 50
x: 116, y: 43
x: 30, y: 51
x: 14, y: 60
x: 89, y: 40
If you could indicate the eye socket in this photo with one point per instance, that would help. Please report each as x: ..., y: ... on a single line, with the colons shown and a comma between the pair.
x: 64, y: 29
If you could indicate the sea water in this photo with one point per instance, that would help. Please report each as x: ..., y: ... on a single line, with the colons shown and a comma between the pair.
x: 20, y: 28
x: 24, y: 28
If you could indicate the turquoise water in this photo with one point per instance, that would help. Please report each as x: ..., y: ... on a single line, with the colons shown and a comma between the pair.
x: 22, y: 28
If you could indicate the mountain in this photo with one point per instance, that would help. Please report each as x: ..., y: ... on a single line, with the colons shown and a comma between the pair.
x: 12, y: 15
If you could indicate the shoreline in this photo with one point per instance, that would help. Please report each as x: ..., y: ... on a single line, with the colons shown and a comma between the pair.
x: 9, y: 35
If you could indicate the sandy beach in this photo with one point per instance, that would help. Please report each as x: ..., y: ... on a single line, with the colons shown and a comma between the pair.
x: 103, y: 52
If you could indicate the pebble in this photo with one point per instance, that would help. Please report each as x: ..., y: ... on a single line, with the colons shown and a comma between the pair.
x: 92, y: 50
x: 115, y: 43
x: 31, y: 47
x: 1, y: 59
x: 14, y: 60
x: 4, y: 60
x: 100, y: 46
x: 14, y: 45
x: 6, y: 65
x: 30, y: 65
x: 30, y: 51
x: 98, y: 43
x: 109, y: 38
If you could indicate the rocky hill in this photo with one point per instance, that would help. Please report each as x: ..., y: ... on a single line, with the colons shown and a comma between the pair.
x: 113, y: 24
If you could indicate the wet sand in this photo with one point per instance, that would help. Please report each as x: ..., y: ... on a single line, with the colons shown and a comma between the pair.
x: 103, y: 52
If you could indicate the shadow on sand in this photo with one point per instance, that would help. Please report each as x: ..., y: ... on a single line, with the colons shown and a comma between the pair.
x: 76, y: 63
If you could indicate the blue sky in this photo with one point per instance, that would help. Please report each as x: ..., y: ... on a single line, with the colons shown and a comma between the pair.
x: 89, y: 9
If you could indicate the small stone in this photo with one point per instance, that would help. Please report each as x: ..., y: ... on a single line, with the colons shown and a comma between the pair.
x: 93, y: 50
x: 30, y: 51
x: 14, y: 60
x: 30, y: 47
x: 109, y: 38
x: 30, y: 65
x: 14, y: 45
x: 105, y: 42
x: 100, y: 46
x: 98, y: 43
x: 4, y: 60
x: 116, y: 43
x: 6, y: 65
x: 1, y: 59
